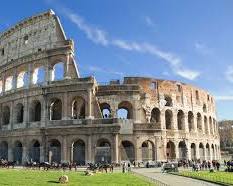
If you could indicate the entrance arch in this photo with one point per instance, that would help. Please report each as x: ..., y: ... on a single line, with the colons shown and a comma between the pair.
x: 170, y: 151
x: 207, y: 151
x: 148, y: 151
x: 4, y: 150
x: 18, y: 152
x: 34, y: 152
x: 79, y: 152
x: 182, y: 151
x: 54, y: 151
x: 193, y: 151
x: 127, y: 151
x: 201, y: 152
x: 103, y: 151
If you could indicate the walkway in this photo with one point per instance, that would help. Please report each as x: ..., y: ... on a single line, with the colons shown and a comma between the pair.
x: 171, y: 180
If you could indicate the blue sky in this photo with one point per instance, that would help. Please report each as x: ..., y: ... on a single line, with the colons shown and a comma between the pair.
x: 188, y: 41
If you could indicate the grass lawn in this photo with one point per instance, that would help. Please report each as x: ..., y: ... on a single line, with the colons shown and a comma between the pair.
x: 18, y: 177
x: 217, y: 177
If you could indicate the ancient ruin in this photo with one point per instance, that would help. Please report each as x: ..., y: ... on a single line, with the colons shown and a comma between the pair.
x: 49, y: 113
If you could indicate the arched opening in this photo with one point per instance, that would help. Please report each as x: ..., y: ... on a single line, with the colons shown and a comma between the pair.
x: 38, y: 76
x: 180, y: 120
x: 78, y: 108
x: 127, y: 151
x: 18, y: 152
x: 22, y: 79
x: 54, y: 151
x: 182, y: 151
x: 34, y: 152
x: 56, y: 110
x: 190, y: 121
x: 201, y: 152
x: 148, y: 151
x: 170, y: 151
x: 206, y: 125
x: 6, y: 115
x: 210, y: 125
x: 9, y: 83
x: 193, y: 151
x: 168, y: 100
x: 199, y: 121
x: 19, y: 113
x: 79, y: 152
x: 4, y: 150
x: 58, y: 72
x: 204, y: 108
x: 125, y: 110
x: 105, y: 110
x: 207, y: 151
x: 168, y: 119
x: 212, y: 152
x: 35, y: 111
x: 103, y: 151
x: 155, y: 115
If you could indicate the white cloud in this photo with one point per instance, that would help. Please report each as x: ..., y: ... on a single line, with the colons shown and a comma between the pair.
x: 229, y: 73
x: 202, y: 48
x: 224, y: 98
x: 99, y: 36
x: 149, y: 21
x: 95, y: 34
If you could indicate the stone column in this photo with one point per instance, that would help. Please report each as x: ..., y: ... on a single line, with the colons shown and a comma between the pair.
x: 12, y: 115
x: 186, y: 123
x: 10, y: 153
x: 197, y: 151
x: 65, y: 106
x: 188, y: 145
x: 3, y: 82
x: 115, y: 148
x: 64, y: 149
x: 14, y: 84
x: 177, y: 150
x: 174, y: 121
x: 90, y: 150
x: 162, y: 119
x: 89, y: 105
x: 24, y: 154
x: 136, y: 112
x: 26, y: 112
x: 42, y: 153
x: 67, y: 73
x: 138, y: 150
x: 30, y: 74
x: 195, y: 123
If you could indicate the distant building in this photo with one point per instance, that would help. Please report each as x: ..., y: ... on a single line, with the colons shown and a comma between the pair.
x: 50, y: 113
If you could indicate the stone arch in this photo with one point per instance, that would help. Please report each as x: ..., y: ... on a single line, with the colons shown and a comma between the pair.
x: 190, y: 121
x: 78, y: 108
x: 206, y: 125
x: 193, y: 151
x: 207, y: 151
x: 182, y: 150
x: 105, y: 110
x: 22, y: 79
x: 18, y: 152
x: 79, y: 152
x: 168, y: 119
x: 201, y: 151
x: 103, y: 151
x: 180, y: 120
x: 38, y: 76
x: 55, y: 110
x: 54, y: 151
x: 35, y: 111
x: 204, y: 108
x: 6, y: 115
x: 9, y: 83
x: 199, y: 121
x: 34, y: 151
x: 127, y: 151
x: 148, y: 151
x: 4, y: 150
x: 155, y: 115
x: 210, y: 125
x: 212, y: 152
x: 19, y: 113
x: 168, y: 100
x: 170, y: 151
x: 125, y: 110
x: 57, y: 71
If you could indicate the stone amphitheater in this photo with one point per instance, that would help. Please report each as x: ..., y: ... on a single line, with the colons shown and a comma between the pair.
x: 49, y: 113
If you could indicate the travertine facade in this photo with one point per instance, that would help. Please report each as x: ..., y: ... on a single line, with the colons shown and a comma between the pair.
x: 46, y: 116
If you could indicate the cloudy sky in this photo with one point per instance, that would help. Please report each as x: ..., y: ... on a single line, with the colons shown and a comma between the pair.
x: 188, y: 41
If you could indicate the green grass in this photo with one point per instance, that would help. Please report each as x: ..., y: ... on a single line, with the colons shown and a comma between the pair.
x: 18, y: 177
x: 225, y: 178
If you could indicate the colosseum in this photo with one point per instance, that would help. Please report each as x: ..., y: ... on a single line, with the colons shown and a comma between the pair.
x: 49, y: 113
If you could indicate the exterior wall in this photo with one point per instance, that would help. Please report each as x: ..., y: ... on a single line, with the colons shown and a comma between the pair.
x: 144, y: 135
